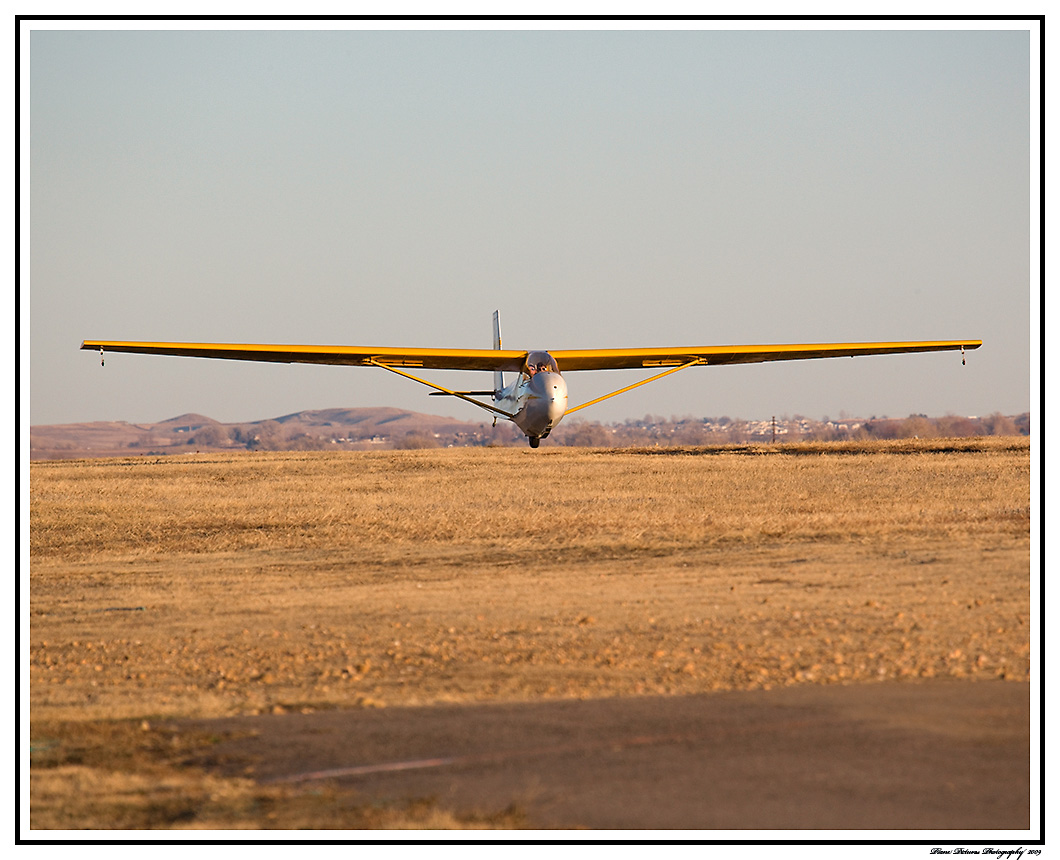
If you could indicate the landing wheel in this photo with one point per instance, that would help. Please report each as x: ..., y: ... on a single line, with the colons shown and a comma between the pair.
x: 534, y: 441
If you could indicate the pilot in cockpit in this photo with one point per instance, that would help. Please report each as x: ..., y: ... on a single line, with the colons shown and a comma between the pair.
x: 539, y: 363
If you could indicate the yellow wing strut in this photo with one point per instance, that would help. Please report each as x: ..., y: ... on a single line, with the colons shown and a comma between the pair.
x: 638, y: 384
x: 441, y: 388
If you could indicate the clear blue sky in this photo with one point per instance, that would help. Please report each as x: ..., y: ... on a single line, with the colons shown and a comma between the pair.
x: 601, y: 189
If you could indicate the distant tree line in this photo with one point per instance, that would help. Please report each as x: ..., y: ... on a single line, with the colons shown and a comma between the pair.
x: 650, y: 430
x: 655, y: 430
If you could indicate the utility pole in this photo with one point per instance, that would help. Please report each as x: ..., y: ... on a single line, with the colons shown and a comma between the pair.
x: 774, y: 429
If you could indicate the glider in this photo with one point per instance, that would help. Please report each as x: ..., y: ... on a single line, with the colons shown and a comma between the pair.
x: 536, y: 400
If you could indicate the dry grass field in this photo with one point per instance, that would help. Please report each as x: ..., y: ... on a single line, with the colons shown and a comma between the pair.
x: 212, y: 585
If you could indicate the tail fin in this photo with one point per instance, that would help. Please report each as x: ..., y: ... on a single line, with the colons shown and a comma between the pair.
x: 498, y: 377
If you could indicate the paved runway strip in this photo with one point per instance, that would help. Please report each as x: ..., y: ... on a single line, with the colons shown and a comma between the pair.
x: 919, y: 756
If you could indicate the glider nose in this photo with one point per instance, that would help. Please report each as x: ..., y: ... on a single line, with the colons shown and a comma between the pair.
x: 556, y: 397
x: 546, y: 404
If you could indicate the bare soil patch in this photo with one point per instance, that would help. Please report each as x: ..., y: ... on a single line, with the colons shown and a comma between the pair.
x: 222, y: 585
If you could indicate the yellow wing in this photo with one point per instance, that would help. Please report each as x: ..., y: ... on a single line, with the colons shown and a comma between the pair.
x: 618, y: 359
x: 436, y: 359
x: 513, y: 360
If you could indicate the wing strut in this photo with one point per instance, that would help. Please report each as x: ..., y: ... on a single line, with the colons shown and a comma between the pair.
x: 638, y: 384
x: 440, y: 388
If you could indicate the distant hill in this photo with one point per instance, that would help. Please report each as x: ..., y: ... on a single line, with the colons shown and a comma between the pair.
x: 317, y: 429
x: 383, y: 428
x: 189, y: 419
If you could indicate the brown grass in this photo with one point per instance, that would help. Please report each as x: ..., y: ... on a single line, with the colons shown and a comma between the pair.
x: 224, y: 584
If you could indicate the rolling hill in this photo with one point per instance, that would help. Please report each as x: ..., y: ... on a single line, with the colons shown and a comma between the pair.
x: 318, y: 429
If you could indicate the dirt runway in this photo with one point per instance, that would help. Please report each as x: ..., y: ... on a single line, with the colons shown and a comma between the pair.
x: 937, y: 755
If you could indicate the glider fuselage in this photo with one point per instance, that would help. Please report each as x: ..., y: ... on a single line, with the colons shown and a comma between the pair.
x: 537, y: 399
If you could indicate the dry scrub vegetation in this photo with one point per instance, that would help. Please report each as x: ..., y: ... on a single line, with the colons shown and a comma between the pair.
x: 207, y: 585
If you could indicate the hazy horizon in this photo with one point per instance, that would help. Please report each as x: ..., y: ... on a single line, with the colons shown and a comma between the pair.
x: 479, y: 417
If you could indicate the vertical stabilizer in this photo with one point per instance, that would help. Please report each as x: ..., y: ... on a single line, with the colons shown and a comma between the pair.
x: 498, y: 377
